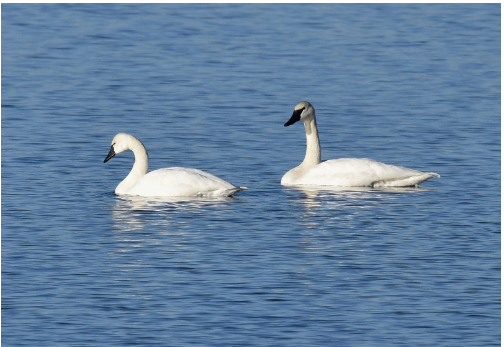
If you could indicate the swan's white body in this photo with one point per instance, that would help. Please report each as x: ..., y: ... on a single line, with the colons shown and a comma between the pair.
x: 345, y: 172
x: 173, y: 181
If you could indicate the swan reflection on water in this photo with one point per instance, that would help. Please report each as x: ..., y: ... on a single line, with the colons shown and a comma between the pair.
x: 341, y: 203
x: 132, y: 212
x: 133, y: 202
x: 354, y: 192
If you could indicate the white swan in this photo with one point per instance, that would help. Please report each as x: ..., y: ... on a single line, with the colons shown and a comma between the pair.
x: 344, y: 172
x: 172, y: 181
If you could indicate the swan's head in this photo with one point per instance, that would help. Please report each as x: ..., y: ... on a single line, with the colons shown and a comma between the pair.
x: 303, y: 111
x: 120, y: 143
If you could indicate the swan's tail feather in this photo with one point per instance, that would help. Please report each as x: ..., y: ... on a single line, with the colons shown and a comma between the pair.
x: 231, y: 191
x: 412, y: 181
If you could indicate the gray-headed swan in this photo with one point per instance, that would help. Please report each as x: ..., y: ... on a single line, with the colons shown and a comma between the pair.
x: 344, y: 172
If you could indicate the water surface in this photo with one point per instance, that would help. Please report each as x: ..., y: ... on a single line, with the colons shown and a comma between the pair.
x: 210, y: 86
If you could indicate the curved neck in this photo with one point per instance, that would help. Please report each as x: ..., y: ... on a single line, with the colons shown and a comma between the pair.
x: 139, y: 169
x: 313, y: 153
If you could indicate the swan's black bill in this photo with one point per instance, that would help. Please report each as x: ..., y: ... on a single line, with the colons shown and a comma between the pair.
x: 296, y: 116
x: 110, y: 154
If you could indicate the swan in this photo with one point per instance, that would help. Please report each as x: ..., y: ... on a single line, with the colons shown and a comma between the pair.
x: 344, y: 172
x: 171, y: 181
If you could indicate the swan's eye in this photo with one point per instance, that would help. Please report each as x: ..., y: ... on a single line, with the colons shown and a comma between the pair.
x: 298, y: 112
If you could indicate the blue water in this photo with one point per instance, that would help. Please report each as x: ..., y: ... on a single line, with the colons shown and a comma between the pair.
x: 210, y: 86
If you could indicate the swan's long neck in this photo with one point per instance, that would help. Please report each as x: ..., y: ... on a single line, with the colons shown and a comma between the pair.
x: 312, y: 157
x: 139, y: 169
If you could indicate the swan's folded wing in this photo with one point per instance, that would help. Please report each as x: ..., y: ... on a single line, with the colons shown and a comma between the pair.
x: 353, y: 172
x: 180, y: 181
